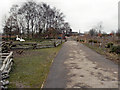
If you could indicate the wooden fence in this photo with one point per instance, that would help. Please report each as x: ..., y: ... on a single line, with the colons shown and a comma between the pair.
x: 6, y: 60
x: 6, y: 64
x: 36, y: 45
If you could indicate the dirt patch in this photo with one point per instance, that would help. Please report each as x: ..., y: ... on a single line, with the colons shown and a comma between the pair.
x: 20, y: 85
x: 84, y: 73
x: 81, y: 85
x: 26, y: 53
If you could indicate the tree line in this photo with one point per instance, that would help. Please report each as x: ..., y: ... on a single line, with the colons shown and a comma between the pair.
x: 97, y: 30
x: 35, y: 20
x: 94, y: 32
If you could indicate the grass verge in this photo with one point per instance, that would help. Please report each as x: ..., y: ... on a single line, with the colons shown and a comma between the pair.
x: 31, y: 68
x: 103, y: 51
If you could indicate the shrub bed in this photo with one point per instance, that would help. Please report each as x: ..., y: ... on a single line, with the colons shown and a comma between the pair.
x: 115, y: 49
x: 109, y: 45
x: 90, y: 41
x: 94, y: 41
x: 82, y: 40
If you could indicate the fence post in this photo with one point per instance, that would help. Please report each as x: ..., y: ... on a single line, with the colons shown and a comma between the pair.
x: 0, y: 81
x: 54, y: 44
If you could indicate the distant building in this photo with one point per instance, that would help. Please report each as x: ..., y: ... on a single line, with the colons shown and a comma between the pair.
x: 74, y: 33
x: 81, y: 34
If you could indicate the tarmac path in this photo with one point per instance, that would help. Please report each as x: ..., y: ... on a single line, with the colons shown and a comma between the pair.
x: 77, y: 66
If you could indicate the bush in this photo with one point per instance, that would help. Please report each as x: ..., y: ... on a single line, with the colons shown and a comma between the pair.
x: 90, y: 41
x: 95, y: 41
x: 81, y: 40
x: 115, y: 49
x: 109, y: 45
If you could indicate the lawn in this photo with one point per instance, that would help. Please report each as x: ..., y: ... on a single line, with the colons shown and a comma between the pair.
x: 31, y: 67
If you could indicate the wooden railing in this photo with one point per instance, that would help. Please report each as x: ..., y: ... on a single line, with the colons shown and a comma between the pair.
x: 7, y: 62
x: 37, y: 45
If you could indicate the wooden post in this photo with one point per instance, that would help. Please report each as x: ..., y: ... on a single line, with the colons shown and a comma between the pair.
x: 0, y: 81
x: 5, y: 69
x: 54, y: 44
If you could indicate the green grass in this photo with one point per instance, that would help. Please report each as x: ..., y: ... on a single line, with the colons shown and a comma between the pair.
x: 97, y: 49
x: 103, y: 51
x: 31, y: 68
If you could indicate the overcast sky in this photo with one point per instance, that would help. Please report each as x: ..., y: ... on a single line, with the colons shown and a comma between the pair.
x: 81, y: 14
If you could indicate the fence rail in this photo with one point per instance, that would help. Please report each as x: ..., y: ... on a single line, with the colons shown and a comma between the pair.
x: 37, y: 45
x: 7, y: 62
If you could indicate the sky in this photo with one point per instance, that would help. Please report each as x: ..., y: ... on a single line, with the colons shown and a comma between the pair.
x: 82, y: 15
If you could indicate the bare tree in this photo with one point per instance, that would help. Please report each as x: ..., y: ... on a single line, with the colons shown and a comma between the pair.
x: 99, y: 27
x: 34, y: 19
x: 93, y: 32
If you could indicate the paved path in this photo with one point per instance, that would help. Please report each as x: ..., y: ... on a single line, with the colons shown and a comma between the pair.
x: 77, y: 66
